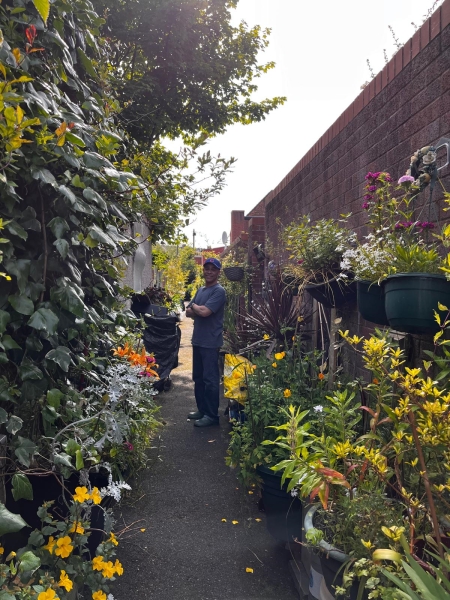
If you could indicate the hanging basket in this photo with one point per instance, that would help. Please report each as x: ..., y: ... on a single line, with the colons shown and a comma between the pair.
x: 333, y: 293
x: 234, y: 273
x: 411, y: 299
x: 371, y: 302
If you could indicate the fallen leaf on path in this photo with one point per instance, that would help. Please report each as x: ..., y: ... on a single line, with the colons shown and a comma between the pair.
x: 235, y: 522
x: 258, y: 520
x: 224, y: 520
x: 143, y: 529
x: 250, y: 492
x: 211, y: 441
x: 248, y: 570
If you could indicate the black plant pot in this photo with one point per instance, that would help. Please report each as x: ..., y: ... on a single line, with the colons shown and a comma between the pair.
x: 283, y: 511
x: 371, y: 302
x: 234, y: 273
x: 334, y: 293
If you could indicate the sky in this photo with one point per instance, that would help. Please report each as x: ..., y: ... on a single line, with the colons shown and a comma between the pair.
x: 321, y: 51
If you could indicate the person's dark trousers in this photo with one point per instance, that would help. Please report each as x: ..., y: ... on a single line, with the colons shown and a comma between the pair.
x: 205, y: 373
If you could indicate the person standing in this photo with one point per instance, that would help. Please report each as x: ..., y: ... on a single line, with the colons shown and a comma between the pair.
x: 207, y: 310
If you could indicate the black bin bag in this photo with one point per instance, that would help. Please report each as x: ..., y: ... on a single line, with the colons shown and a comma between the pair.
x: 162, y: 338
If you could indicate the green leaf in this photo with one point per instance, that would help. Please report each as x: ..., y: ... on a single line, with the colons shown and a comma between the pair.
x: 5, y: 318
x: 44, y: 319
x: 87, y: 64
x: 54, y: 397
x: 3, y: 415
x: 59, y: 226
x: 69, y: 296
x: 75, y: 139
x: 29, y: 562
x: 43, y: 175
x: 9, y: 343
x: 71, y: 447
x: 21, y: 269
x: 25, y: 450
x: 43, y: 8
x: 16, y: 229
x: 9, y: 522
x: 79, y: 462
x: 14, y: 425
x: 6, y: 596
x: 63, y: 459
x: 61, y: 356
x: 92, y: 195
x: 21, y: 304
x: 65, y: 191
x: 92, y: 160
x: 21, y: 487
x: 28, y: 370
x: 62, y: 246
x: 100, y: 236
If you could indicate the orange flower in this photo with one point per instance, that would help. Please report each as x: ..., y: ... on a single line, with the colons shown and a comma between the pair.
x: 321, y: 376
x: 375, y: 381
x: 122, y: 352
x: 138, y: 359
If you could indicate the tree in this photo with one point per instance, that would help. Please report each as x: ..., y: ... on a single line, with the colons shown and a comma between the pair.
x: 181, y: 68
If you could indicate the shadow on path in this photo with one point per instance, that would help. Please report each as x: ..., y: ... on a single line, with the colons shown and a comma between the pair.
x: 186, y: 552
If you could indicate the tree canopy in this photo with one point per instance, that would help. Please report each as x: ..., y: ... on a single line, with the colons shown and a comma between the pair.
x: 181, y: 67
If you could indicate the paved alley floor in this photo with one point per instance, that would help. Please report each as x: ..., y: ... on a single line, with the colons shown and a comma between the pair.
x: 177, y: 547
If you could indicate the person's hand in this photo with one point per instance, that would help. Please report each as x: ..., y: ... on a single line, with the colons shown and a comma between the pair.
x: 190, y: 313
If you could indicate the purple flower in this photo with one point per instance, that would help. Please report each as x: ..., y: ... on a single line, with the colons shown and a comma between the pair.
x: 365, y: 205
x: 406, y: 179
x: 368, y: 197
x: 299, y: 262
x: 372, y: 188
x: 128, y: 446
x: 425, y: 225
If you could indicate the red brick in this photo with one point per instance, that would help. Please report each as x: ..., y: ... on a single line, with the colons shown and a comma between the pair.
x: 372, y: 90
x: 445, y: 14
x: 435, y: 27
x: 384, y: 77
x: 406, y: 52
x: 398, y: 61
x: 425, y: 34
x: 391, y: 69
x: 415, y: 44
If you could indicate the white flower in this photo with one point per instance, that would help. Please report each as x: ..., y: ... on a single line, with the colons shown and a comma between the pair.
x: 318, y: 408
x: 294, y: 492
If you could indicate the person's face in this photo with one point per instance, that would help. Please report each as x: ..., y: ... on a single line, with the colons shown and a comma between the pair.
x: 210, y: 273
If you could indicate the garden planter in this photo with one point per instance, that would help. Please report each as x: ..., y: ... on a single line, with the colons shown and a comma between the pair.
x: 234, y: 273
x: 333, y: 293
x: 412, y: 298
x: 332, y: 562
x: 371, y: 302
x: 283, y: 511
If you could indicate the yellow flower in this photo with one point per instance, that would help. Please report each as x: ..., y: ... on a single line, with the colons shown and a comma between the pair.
x: 113, y: 539
x: 394, y: 532
x: 50, y: 546
x: 274, y: 365
x: 108, y: 569
x: 95, y: 496
x: 48, y: 595
x: 97, y: 563
x: 98, y: 595
x: 64, y: 547
x: 2, y: 550
x: 65, y: 582
x: 287, y: 393
x: 367, y: 544
x: 118, y: 567
x: 266, y: 336
x: 81, y: 494
x: 76, y: 528
x: 248, y: 570
x: 280, y: 355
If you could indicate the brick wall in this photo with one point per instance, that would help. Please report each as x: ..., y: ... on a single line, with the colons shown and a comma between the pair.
x: 238, y: 224
x: 405, y: 107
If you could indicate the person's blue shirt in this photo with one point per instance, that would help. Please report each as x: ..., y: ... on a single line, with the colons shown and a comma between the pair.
x: 208, y: 331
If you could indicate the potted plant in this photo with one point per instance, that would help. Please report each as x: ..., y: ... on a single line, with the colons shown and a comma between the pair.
x: 317, y: 249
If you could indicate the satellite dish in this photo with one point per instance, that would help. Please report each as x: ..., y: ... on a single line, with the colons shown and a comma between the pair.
x: 225, y: 238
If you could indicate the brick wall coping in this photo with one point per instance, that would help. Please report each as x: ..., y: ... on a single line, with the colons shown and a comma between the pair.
x: 432, y: 27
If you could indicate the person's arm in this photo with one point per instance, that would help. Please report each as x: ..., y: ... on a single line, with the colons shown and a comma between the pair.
x: 200, y: 311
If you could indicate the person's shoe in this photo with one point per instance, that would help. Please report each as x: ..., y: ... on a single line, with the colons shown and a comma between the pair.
x: 195, y: 415
x: 206, y: 422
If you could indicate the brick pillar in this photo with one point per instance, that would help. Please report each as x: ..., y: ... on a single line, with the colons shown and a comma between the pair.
x: 238, y: 224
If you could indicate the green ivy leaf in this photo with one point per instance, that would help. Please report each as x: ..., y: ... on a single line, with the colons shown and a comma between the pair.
x: 79, y: 462
x: 5, y: 318
x: 21, y: 487
x: 59, y: 226
x: 9, y: 344
x: 95, y: 233
x: 21, y: 269
x: 69, y: 296
x: 65, y: 191
x: 63, y: 459
x: 44, y: 319
x: 63, y: 247
x: 54, y: 397
x: 71, y: 447
x: 61, y: 356
x: 28, y: 371
x: 21, y: 304
x: 87, y: 64
x: 9, y: 522
x: 43, y: 8
x: 92, y: 195
x: 29, y: 562
x: 3, y: 416
x: 14, y: 425
x: 43, y: 175
x: 25, y: 450
x: 75, y: 139
x: 16, y: 229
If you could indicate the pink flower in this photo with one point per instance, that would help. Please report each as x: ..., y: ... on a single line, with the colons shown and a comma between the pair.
x: 372, y: 188
x: 365, y: 205
x: 144, y: 374
x: 151, y: 359
x: 299, y: 262
x: 368, y: 197
x: 406, y: 179
x: 129, y: 446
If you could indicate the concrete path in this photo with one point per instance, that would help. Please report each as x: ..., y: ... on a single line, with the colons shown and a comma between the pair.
x: 186, y: 552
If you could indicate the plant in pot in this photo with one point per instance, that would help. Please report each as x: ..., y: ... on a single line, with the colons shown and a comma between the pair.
x: 234, y: 263
x: 279, y: 379
x: 317, y: 250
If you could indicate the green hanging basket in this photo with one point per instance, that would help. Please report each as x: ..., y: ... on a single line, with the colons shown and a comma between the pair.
x: 371, y: 302
x: 412, y: 298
